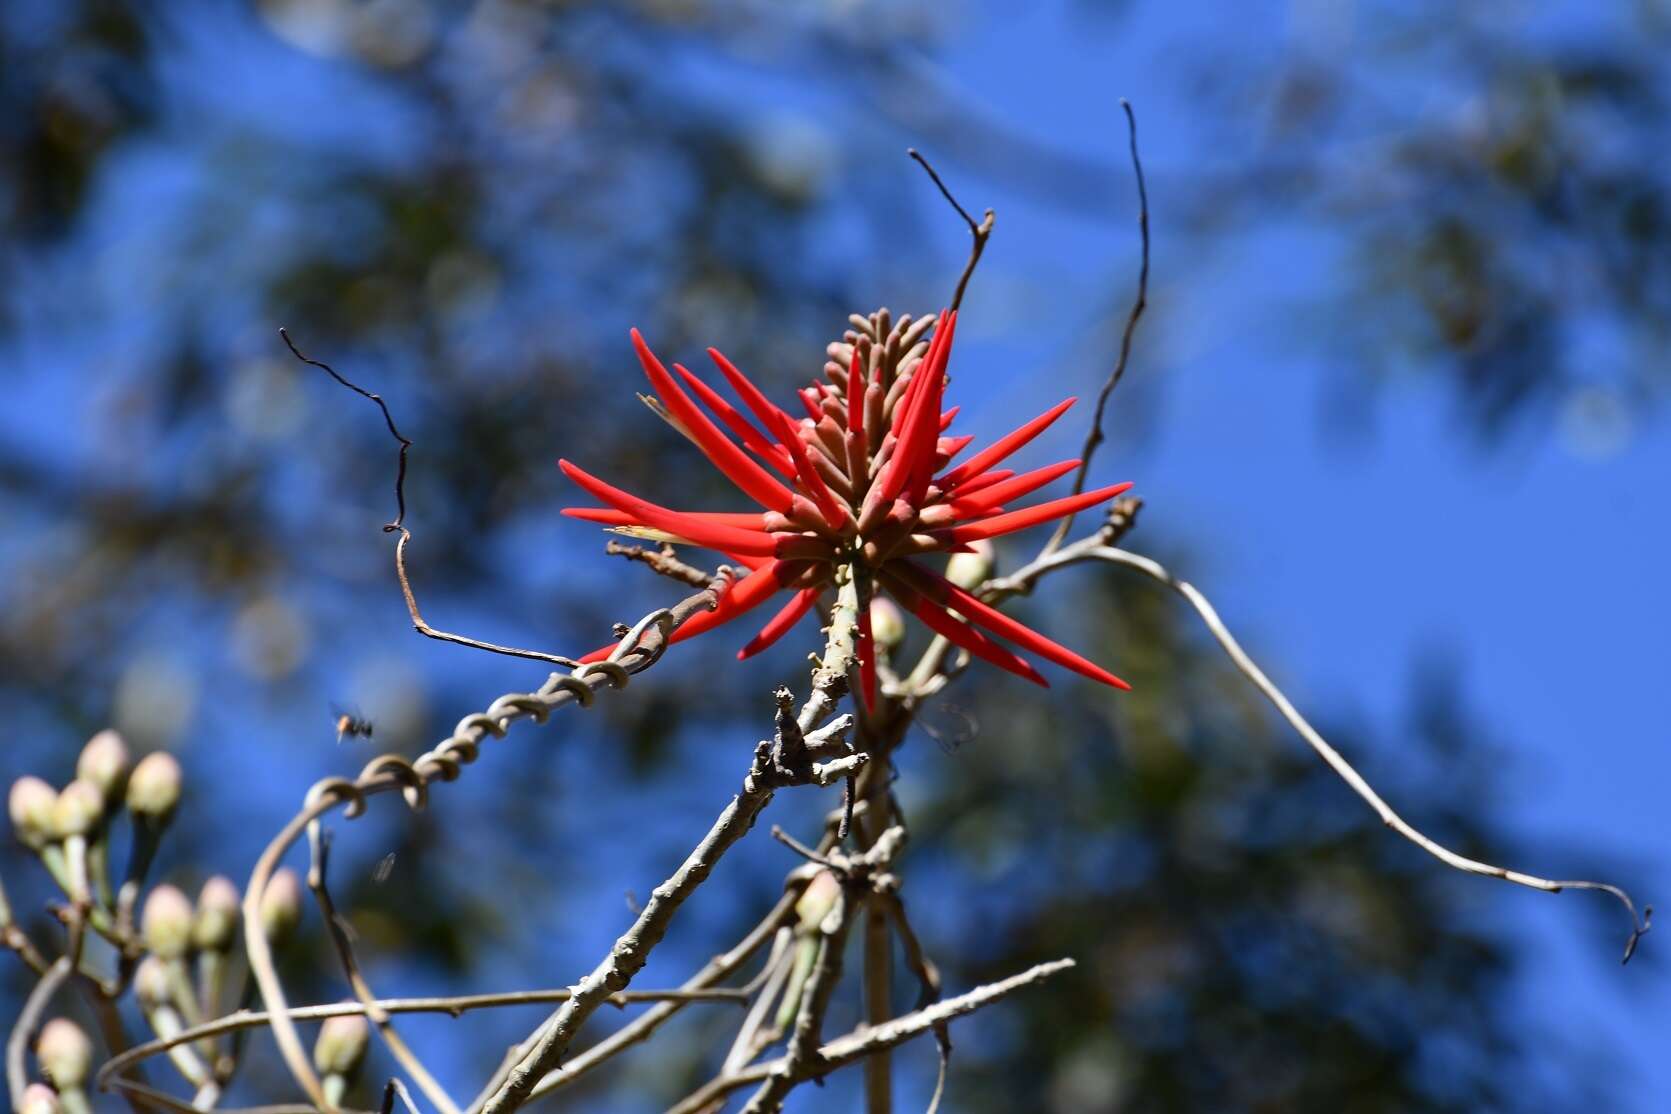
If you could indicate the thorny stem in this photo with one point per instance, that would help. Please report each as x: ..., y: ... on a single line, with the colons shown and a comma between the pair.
x: 777, y: 765
x: 1095, y: 436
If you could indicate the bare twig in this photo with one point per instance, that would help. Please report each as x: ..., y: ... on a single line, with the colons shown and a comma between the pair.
x: 28, y: 1021
x: 398, y: 526
x: 1091, y: 549
x: 664, y: 560
x: 319, y: 842
x: 869, y: 1040
x: 453, y: 1006
x: 1095, y: 436
x: 978, y: 233
x: 720, y: 967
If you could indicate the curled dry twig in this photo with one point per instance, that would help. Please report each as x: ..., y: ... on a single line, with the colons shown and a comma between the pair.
x: 399, y: 526
x: 1095, y: 436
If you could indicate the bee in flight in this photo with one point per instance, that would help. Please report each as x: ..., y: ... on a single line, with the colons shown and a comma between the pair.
x: 351, y: 726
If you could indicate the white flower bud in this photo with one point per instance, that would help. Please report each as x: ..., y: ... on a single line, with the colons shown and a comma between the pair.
x: 341, y: 1045
x: 969, y: 570
x: 38, y: 1098
x: 216, y: 922
x: 887, y: 623
x: 166, y: 922
x: 154, y: 786
x: 77, y: 810
x: 151, y: 984
x: 31, y: 804
x: 281, y: 906
x: 65, y: 1054
x: 105, y: 762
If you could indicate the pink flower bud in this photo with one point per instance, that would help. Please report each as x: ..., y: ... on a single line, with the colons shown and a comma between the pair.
x: 38, y: 1098
x: 65, y: 1054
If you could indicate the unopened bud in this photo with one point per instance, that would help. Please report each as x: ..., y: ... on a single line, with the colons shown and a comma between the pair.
x: 887, y: 623
x: 151, y: 984
x: 154, y: 787
x: 817, y: 900
x: 341, y: 1045
x: 38, y: 1098
x: 969, y: 570
x: 281, y: 906
x: 216, y: 922
x: 30, y: 804
x: 77, y: 809
x: 105, y: 762
x: 65, y: 1054
x: 166, y: 922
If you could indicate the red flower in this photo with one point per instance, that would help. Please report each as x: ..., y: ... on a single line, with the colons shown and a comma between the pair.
x: 865, y: 481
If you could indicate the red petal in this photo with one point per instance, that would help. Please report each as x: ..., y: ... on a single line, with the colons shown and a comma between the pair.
x: 832, y: 512
x: 1003, y: 447
x: 741, y: 426
x: 697, y: 531
x: 937, y: 619
x: 927, y: 422
x: 737, y: 466
x: 948, y: 417
x: 998, y: 494
x: 855, y: 394
x: 908, y: 421
x: 751, y: 395
x: 983, y: 481
x: 1031, y: 516
x: 943, y: 591
x: 748, y: 520
x: 799, y: 604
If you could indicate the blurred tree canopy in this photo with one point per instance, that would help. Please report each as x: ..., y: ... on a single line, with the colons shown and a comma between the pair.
x: 467, y: 205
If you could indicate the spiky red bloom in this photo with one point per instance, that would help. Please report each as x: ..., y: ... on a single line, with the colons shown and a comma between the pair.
x: 864, y: 480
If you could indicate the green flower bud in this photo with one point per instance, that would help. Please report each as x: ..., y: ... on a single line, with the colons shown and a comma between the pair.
x: 38, y: 1098
x: 65, y: 1054
x: 817, y: 900
x: 105, y: 762
x: 341, y: 1045
x: 969, y: 570
x: 154, y: 787
x: 887, y: 623
x: 151, y: 984
x: 166, y: 922
x: 77, y: 810
x: 31, y: 804
x: 281, y: 906
x: 217, y: 915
